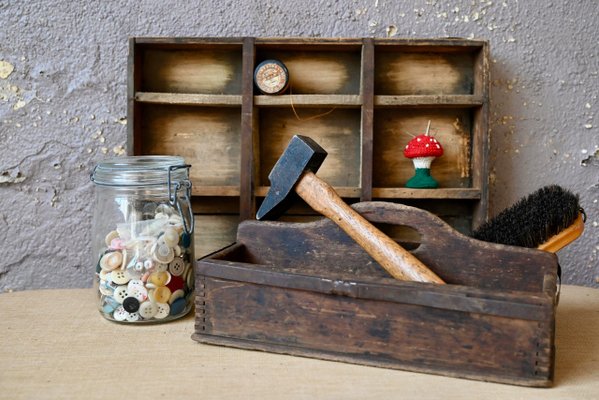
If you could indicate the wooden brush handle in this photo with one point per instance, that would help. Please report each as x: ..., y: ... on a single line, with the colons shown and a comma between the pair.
x: 565, y: 237
x: 399, y: 262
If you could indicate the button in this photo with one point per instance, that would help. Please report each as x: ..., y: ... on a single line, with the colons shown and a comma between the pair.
x: 139, y: 266
x: 162, y: 253
x: 131, y: 304
x: 185, y: 239
x: 170, y: 237
x: 135, y: 283
x: 148, y: 309
x: 111, y: 235
x: 177, y: 294
x: 109, y: 304
x: 111, y: 260
x: 176, y: 283
x: 117, y: 244
x: 107, y: 288
x: 133, y: 317
x: 163, y: 310
x: 159, y: 278
x: 105, y: 275
x: 120, y: 314
x: 189, y: 279
x: 177, y: 250
x: 177, y: 267
x: 119, y: 277
x: 138, y: 292
x: 120, y: 294
x: 178, y: 306
x: 162, y: 294
x: 159, y: 267
x: 148, y: 264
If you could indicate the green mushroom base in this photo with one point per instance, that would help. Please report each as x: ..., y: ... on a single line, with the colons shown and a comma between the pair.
x: 422, y: 179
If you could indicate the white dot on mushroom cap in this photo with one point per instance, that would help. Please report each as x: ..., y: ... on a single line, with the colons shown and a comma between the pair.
x: 418, y: 139
x: 426, y: 145
x: 434, y: 140
x: 438, y: 146
x: 407, y: 146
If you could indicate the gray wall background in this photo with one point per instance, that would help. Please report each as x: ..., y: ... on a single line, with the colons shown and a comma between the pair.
x: 63, y: 103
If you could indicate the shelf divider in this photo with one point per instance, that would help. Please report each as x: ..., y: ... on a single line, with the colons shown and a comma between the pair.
x: 442, y: 193
x: 246, y: 178
x: 367, y: 88
x: 191, y: 99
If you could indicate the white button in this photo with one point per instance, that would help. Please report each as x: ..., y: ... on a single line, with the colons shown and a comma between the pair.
x: 162, y: 253
x: 170, y: 237
x: 120, y: 294
x: 120, y: 314
x: 119, y: 277
x: 163, y: 310
x: 177, y: 267
x: 159, y: 267
x: 177, y: 294
x: 133, y: 317
x: 148, y: 309
x: 148, y: 264
x: 138, y: 292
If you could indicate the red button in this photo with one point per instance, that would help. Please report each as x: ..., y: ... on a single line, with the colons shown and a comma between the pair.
x: 176, y: 283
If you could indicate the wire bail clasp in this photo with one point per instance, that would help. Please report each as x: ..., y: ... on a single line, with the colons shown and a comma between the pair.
x: 173, y: 199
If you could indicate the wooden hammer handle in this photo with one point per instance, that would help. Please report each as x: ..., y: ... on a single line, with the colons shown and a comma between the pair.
x: 399, y: 262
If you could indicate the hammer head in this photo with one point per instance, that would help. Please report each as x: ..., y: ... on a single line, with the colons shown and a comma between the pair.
x: 302, y: 154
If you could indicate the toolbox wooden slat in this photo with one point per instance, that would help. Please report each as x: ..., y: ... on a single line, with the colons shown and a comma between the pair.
x: 360, y: 98
x: 308, y: 289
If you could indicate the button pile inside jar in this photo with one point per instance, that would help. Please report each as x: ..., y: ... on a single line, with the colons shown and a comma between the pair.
x: 145, y: 272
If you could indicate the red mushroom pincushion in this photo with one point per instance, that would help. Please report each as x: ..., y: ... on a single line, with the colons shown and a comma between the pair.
x: 423, y: 149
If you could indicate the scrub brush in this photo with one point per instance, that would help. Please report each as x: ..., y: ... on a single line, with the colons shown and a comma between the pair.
x: 548, y: 219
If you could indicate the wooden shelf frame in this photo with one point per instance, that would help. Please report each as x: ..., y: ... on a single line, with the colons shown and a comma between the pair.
x: 364, y: 99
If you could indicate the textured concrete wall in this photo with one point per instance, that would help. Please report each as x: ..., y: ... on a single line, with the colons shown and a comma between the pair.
x: 63, y: 103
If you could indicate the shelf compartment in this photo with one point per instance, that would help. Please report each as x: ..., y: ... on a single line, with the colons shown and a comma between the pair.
x: 336, y: 130
x: 394, y: 128
x: 316, y: 69
x: 189, y: 99
x: 416, y: 70
x: 205, y: 70
x: 208, y: 139
x: 213, y: 232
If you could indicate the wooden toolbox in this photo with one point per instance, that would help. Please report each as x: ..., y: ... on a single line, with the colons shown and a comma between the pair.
x: 308, y: 289
x: 361, y: 99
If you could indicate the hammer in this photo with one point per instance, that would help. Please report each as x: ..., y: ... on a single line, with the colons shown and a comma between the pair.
x: 294, y: 171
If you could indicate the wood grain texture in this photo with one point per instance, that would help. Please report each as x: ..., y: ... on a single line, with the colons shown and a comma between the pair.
x: 44, y: 365
x: 308, y: 289
x: 206, y: 71
x: 208, y: 139
x: 336, y: 130
x: 405, y: 73
x: 391, y: 256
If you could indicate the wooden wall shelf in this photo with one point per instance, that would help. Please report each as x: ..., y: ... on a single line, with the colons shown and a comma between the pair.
x: 361, y: 99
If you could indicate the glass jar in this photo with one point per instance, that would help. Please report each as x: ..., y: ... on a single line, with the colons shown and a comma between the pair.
x: 142, y: 238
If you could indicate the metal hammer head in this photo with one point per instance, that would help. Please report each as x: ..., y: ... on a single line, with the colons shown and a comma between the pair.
x: 302, y: 154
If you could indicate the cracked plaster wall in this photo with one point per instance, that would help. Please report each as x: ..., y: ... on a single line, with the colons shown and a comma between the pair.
x: 63, y: 103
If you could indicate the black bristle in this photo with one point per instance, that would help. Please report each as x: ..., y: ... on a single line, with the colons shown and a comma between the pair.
x: 532, y: 220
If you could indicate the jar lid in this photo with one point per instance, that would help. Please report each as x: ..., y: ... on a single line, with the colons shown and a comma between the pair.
x: 140, y: 171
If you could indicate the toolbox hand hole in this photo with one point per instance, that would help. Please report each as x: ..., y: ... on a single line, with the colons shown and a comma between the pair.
x: 408, y: 237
